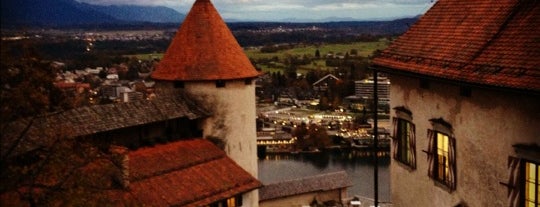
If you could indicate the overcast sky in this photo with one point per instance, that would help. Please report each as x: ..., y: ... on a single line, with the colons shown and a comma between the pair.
x: 275, y: 10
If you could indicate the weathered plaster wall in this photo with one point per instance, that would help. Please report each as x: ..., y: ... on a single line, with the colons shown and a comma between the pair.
x: 233, y: 121
x: 485, y: 125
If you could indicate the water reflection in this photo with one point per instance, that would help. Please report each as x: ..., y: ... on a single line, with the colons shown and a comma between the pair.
x: 358, y: 164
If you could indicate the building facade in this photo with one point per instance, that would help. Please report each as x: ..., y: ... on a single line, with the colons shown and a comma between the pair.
x: 326, y: 189
x: 465, y: 99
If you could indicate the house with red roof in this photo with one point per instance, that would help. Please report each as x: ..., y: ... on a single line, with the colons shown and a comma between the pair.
x: 465, y: 99
x: 194, y: 144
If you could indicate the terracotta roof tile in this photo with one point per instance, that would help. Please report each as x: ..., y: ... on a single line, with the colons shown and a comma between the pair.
x: 486, y: 42
x: 204, y: 49
x: 186, y: 173
x: 99, y: 118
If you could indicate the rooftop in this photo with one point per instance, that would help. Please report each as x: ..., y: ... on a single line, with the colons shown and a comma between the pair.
x: 204, y: 49
x: 186, y: 173
x: 324, y: 182
x: 182, y: 173
x: 485, y: 42
x: 98, y: 118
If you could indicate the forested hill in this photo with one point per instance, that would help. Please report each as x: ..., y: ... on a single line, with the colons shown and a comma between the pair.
x: 70, y: 13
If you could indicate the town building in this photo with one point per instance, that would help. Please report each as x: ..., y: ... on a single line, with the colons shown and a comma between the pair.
x: 465, y: 99
x: 326, y: 189
x: 363, y: 89
x: 322, y: 85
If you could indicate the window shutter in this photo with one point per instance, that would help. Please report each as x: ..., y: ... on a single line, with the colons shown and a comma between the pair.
x: 514, y: 181
x: 395, y: 140
x: 431, y: 153
x: 412, y: 145
x: 452, y: 163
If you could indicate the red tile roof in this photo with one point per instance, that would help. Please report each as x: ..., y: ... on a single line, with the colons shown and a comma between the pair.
x: 487, y: 42
x: 186, y: 173
x: 204, y: 49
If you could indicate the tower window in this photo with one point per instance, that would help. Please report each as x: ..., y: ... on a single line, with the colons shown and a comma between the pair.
x: 220, y: 84
x: 179, y: 84
x: 424, y: 84
x: 248, y: 81
x: 465, y: 91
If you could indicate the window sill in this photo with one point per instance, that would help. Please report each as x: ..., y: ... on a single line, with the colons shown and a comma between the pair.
x: 407, y: 166
x: 443, y: 185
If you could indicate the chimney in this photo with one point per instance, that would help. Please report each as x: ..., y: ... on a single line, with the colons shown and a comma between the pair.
x: 120, y: 158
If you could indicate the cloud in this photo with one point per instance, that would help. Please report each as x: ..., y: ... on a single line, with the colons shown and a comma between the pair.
x: 265, y: 10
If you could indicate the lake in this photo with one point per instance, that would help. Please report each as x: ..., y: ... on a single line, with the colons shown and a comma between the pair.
x: 359, y: 166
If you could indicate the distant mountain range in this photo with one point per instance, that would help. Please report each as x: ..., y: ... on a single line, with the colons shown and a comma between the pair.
x: 65, y: 13
x: 74, y: 14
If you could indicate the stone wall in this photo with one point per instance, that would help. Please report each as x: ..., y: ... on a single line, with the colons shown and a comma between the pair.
x: 232, y: 121
x: 486, y: 124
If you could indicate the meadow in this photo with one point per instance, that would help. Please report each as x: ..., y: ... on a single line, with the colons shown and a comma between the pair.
x: 364, y: 49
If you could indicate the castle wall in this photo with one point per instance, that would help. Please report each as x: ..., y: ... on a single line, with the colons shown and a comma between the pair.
x: 232, y: 121
x: 485, y: 125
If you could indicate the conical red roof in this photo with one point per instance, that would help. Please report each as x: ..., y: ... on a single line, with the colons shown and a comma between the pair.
x: 204, y: 49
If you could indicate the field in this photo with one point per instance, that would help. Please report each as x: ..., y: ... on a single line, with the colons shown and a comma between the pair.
x: 364, y: 49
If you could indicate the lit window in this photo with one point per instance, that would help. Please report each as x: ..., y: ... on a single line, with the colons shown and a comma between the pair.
x: 404, y: 142
x: 531, y: 185
x: 441, y: 157
x: 523, y: 185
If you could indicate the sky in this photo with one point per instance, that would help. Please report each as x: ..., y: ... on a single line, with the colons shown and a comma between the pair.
x: 297, y: 10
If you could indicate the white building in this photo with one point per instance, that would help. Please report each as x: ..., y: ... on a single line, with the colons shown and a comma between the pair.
x: 466, y: 98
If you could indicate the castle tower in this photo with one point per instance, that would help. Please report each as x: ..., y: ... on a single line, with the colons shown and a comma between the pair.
x: 205, y: 60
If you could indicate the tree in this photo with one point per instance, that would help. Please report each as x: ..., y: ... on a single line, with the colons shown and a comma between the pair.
x: 319, y: 136
x: 301, y: 133
x: 312, y: 137
x: 46, y: 167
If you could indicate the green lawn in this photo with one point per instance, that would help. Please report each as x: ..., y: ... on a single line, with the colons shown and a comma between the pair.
x: 364, y: 49
x: 150, y: 56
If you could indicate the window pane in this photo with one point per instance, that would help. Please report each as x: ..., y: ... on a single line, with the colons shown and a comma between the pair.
x: 531, y: 171
x: 231, y: 202
x: 531, y: 184
x: 439, y: 141
x: 442, y: 158
x: 530, y: 191
x: 403, y: 150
